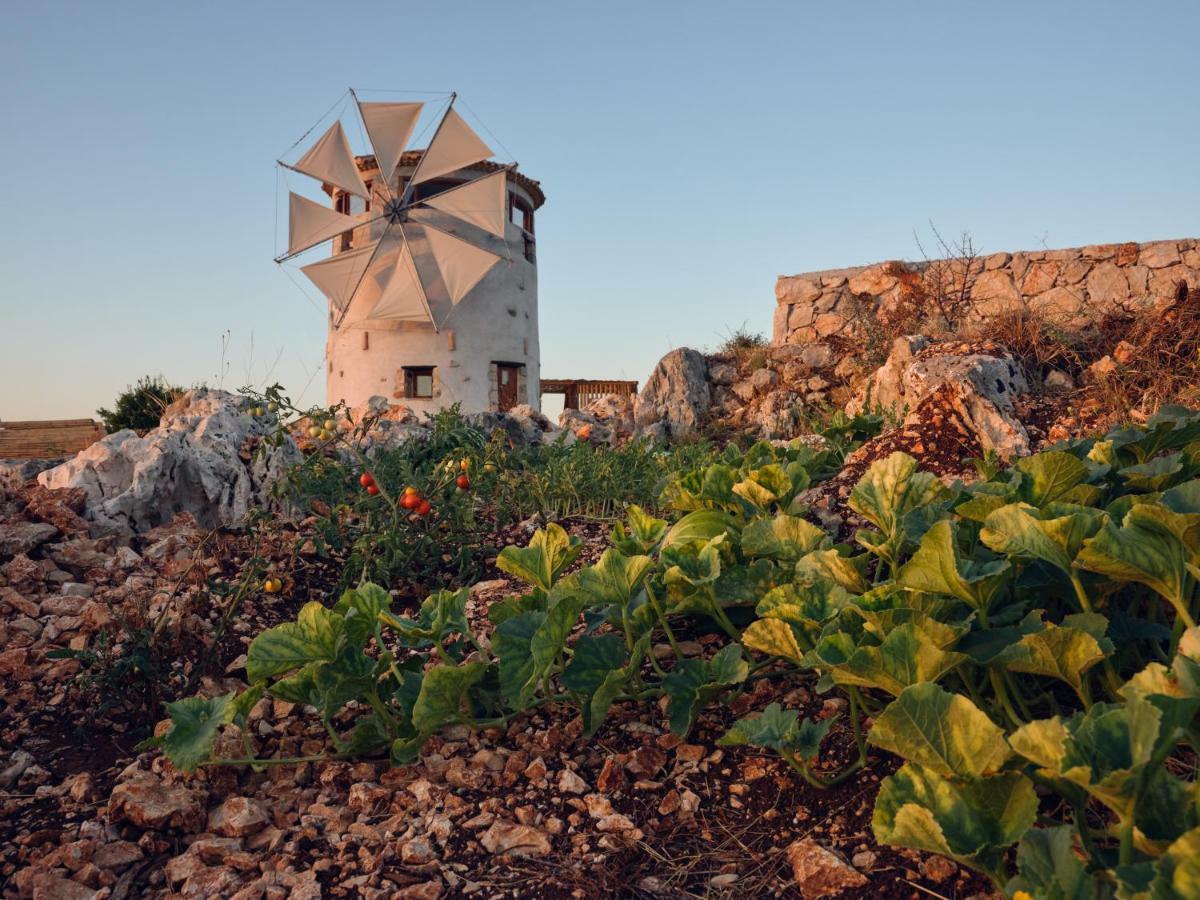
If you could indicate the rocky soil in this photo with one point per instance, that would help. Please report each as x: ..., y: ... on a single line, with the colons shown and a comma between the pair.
x: 530, y: 810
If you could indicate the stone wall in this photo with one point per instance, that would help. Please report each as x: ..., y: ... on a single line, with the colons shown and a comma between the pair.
x: 1069, y: 286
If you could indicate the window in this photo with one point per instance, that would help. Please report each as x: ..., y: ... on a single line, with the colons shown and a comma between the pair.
x: 350, y: 205
x: 519, y: 213
x: 418, y: 382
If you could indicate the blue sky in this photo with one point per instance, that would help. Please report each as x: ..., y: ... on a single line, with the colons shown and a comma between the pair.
x: 690, y: 152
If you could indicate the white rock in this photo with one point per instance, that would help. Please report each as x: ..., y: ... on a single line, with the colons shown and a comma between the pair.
x: 191, y: 463
x: 677, y: 393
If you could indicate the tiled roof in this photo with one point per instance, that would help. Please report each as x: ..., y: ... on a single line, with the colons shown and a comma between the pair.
x: 410, y: 158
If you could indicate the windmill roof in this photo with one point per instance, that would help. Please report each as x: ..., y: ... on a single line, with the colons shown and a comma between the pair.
x: 411, y: 157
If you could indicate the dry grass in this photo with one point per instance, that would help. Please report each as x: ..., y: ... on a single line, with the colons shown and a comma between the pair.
x: 1157, y: 356
x: 1036, y: 343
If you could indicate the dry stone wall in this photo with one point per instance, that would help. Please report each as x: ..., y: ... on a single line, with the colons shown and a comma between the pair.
x: 1070, y: 286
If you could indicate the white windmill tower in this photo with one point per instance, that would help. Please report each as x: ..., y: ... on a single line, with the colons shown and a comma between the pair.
x: 431, y: 281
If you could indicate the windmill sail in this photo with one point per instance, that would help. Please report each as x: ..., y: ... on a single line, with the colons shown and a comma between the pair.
x: 339, y: 275
x: 481, y: 202
x: 454, y: 146
x: 389, y: 126
x: 311, y: 223
x: 462, y: 264
x: 330, y: 160
x: 402, y: 296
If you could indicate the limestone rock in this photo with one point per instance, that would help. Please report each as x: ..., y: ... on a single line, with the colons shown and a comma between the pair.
x: 1107, y: 286
x: 1159, y: 255
x: 1058, y: 381
x: 191, y: 463
x: 238, y: 817
x: 20, y: 536
x: 980, y: 386
x: 519, y: 840
x: 147, y: 802
x: 885, y: 388
x: 677, y: 393
x: 819, y: 872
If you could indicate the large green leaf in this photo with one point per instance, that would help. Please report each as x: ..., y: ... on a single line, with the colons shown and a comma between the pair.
x: 1049, y: 476
x: 550, y: 551
x: 443, y: 692
x: 195, y: 725
x: 645, y: 532
x: 943, y: 732
x: 938, y: 567
x: 1058, y: 652
x: 519, y: 671
x: 846, y: 571
x: 329, y: 685
x: 974, y: 822
x: 1177, y: 872
x: 784, y: 538
x: 362, y: 607
x: 313, y: 637
x: 780, y: 730
x: 615, y: 578
x: 889, y: 490
x: 767, y: 487
x: 1050, y: 869
x: 596, y: 672
x: 906, y: 656
x: 1053, y: 535
x: 441, y: 614
x: 1103, y: 751
x: 692, y: 682
x: 699, y: 527
x: 1148, y: 548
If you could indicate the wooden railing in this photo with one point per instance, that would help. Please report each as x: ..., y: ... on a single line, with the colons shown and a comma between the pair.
x: 579, y: 392
x: 48, y: 439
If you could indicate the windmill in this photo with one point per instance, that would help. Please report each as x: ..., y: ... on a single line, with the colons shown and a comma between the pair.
x: 426, y: 250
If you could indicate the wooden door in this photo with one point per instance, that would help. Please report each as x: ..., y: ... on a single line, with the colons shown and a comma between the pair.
x: 506, y: 386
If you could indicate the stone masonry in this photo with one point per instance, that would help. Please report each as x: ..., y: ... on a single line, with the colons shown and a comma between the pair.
x: 1071, y: 287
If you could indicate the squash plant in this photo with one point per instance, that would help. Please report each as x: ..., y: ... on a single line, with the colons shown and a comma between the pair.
x: 1033, y: 632
x: 1026, y: 643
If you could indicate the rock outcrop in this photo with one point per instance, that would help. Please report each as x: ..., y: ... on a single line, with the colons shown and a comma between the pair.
x: 677, y: 394
x: 200, y: 460
x: 978, y: 383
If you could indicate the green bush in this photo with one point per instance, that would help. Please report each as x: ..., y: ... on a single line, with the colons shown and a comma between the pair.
x: 141, y: 405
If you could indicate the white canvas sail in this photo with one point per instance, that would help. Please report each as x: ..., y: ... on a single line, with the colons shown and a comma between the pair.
x: 402, y: 296
x: 331, y: 161
x: 455, y: 146
x: 389, y: 126
x: 312, y: 223
x: 462, y: 265
x: 481, y: 202
x: 339, y: 275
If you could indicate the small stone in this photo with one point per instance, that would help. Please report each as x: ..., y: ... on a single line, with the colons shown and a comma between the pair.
x: 819, y: 872
x: 148, y: 803
x: 571, y: 783
x: 238, y: 817
x: 645, y: 762
x: 519, y: 840
x: 536, y: 770
x: 938, y: 869
x: 863, y: 859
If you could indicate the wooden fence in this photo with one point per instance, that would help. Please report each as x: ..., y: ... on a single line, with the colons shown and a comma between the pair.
x: 579, y: 392
x: 48, y: 439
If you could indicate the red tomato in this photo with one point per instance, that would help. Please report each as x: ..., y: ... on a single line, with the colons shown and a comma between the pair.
x: 366, y: 480
x: 424, y: 508
x: 463, y: 482
x: 372, y: 490
x: 409, y: 501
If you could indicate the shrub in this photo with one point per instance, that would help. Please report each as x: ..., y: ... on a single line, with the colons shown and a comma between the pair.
x: 141, y: 405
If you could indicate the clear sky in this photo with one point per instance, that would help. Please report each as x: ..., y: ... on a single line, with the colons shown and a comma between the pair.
x: 690, y: 153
